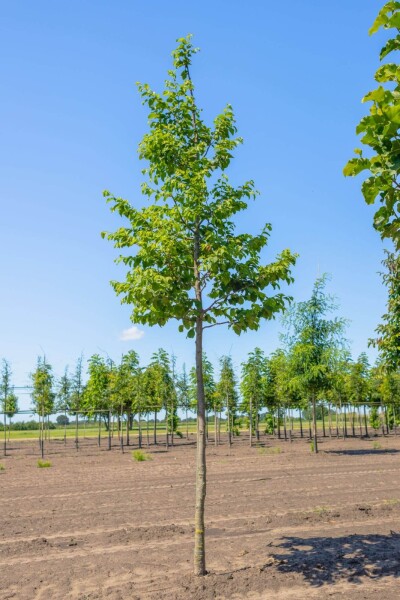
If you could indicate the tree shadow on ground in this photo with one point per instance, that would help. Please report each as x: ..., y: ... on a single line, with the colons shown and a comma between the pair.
x: 363, y: 452
x: 324, y: 560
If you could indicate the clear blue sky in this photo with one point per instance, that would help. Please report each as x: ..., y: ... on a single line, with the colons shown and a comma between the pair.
x: 71, y: 121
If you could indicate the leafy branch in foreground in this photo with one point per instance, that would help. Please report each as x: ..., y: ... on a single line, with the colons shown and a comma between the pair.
x: 380, y: 134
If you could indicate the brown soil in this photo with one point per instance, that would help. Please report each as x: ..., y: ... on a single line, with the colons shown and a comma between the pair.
x: 97, y: 525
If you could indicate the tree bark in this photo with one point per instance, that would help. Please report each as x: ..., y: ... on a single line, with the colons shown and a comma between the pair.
x: 251, y: 422
x: 314, y: 416
x: 199, y: 537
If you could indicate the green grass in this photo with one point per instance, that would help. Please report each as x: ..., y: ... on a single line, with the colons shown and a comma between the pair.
x: 2, y: 467
x: 271, y: 450
x: 377, y: 446
x: 43, y: 464
x: 140, y: 456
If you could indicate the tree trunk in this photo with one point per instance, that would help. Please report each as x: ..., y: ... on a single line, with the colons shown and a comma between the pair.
x: 5, y: 434
x: 257, y: 424
x: 301, y: 424
x: 140, y: 429
x: 251, y: 422
x: 284, y: 424
x: 155, y: 427
x: 330, y: 420
x: 314, y: 416
x: 187, y: 425
x: 279, y: 423
x: 199, y: 546
x: 359, y: 420
x: 76, y: 431
x: 365, y: 422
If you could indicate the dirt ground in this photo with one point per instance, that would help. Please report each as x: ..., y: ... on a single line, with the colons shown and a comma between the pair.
x: 281, y: 523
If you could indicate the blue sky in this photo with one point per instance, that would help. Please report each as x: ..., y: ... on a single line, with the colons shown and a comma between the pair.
x: 71, y: 122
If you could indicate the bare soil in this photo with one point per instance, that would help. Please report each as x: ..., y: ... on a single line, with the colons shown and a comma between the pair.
x: 284, y: 525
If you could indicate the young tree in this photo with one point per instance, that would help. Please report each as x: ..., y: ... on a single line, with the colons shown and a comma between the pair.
x: 226, y: 391
x: 8, y: 399
x: 189, y: 263
x: 43, y: 394
x: 358, y: 384
x: 313, y: 339
x: 64, y: 392
x: 211, y: 400
x: 253, y: 388
x: 96, y: 393
x: 379, y: 132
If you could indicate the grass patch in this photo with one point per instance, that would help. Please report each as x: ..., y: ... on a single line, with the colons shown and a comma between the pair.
x: 140, y: 456
x: 271, y: 450
x: 43, y: 464
x: 391, y: 502
x: 2, y: 467
x: 377, y: 446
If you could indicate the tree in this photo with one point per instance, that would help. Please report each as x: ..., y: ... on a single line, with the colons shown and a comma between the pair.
x: 226, y: 391
x: 62, y: 420
x: 43, y: 394
x: 313, y: 339
x: 8, y: 398
x: 388, y: 338
x: 253, y: 388
x: 190, y: 264
x: 96, y: 393
x: 211, y: 400
x: 380, y: 134
x: 64, y: 392
x: 358, y: 384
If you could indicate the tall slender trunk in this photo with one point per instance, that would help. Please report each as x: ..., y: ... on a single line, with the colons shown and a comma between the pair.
x: 77, y: 431
x: 228, y: 421
x: 365, y: 422
x: 257, y: 424
x: 314, y: 416
x: 5, y: 433
x: 330, y: 420
x: 323, y: 420
x: 284, y: 424
x: 337, y: 421
x: 359, y: 420
x: 279, y: 423
x: 199, y: 546
x: 166, y: 428
x: 215, y: 426
x: 301, y: 424
x: 251, y: 422
x: 139, y: 429
x: 155, y: 427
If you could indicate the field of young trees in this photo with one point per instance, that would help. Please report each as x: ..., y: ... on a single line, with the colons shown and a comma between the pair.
x: 301, y: 494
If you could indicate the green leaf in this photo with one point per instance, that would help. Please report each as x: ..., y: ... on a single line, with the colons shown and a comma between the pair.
x: 355, y: 166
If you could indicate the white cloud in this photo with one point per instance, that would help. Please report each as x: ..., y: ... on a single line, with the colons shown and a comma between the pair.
x: 133, y: 333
